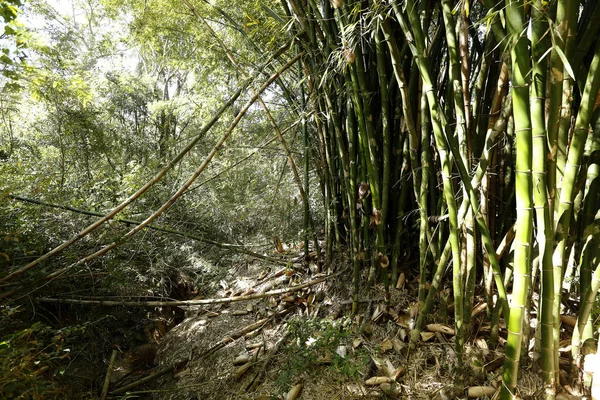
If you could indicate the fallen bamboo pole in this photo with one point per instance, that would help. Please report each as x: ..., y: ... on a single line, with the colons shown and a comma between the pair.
x: 219, y: 345
x: 187, y: 303
x: 106, y: 385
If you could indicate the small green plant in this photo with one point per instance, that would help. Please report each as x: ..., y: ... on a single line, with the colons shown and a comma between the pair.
x: 314, y: 342
x: 30, y: 361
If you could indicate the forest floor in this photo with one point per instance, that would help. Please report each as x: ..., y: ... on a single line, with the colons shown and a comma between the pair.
x: 308, y: 342
x: 304, y: 344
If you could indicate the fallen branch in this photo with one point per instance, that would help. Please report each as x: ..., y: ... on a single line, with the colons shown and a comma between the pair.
x: 219, y: 345
x: 113, y: 357
x: 256, y: 379
x: 138, y: 193
x: 149, y: 378
x: 187, y: 303
x: 160, y: 175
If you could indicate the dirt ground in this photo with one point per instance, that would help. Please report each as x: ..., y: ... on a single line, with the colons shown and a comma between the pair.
x: 310, y: 342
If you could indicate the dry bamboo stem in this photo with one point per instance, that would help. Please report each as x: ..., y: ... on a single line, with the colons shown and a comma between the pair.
x: 188, y: 183
x: 222, y: 343
x: 187, y: 303
x: 113, y: 357
x: 134, y: 196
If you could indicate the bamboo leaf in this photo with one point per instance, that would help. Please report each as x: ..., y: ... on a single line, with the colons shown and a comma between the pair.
x: 544, y: 55
x: 271, y: 13
x: 566, y: 63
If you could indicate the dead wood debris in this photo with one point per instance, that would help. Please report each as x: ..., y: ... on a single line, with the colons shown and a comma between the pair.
x: 219, y: 345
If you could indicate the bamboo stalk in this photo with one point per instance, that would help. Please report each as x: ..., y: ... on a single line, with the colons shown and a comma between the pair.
x: 232, y: 247
x: 230, y: 56
x: 106, y: 385
x: 144, y: 188
x: 545, y: 232
x: 306, y: 168
x: 188, y: 303
x: 417, y: 49
x: 524, y: 225
x: 563, y: 220
x: 459, y: 269
x: 439, y: 123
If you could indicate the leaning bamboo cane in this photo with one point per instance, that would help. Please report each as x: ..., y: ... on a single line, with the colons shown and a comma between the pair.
x: 230, y: 56
x: 410, y: 30
x: 109, y: 370
x: 189, y: 303
x: 589, y: 299
x: 468, y: 247
x: 137, y: 194
x: 232, y: 247
x: 567, y: 193
x: 439, y: 124
x: 191, y: 180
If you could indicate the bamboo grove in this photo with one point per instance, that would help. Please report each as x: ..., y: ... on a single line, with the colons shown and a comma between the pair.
x: 469, y: 134
x: 456, y: 143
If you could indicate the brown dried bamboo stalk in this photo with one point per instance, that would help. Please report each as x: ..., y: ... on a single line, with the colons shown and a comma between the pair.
x: 269, y: 116
x: 187, y: 303
x: 222, y: 343
x: 227, y: 246
x: 131, y: 198
x: 113, y: 357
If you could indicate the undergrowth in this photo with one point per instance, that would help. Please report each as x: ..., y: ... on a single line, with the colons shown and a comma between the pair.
x: 33, y: 360
x: 320, y: 343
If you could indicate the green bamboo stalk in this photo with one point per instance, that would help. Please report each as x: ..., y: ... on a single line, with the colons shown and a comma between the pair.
x: 465, y: 71
x: 545, y: 233
x: 522, y: 254
x: 352, y: 152
x: 494, y: 14
x: 590, y: 206
x: 588, y: 282
x: 488, y: 189
x: 337, y: 187
x: 479, y: 174
x: 367, y: 136
x: 424, y: 238
x: 149, y: 184
x: 190, y: 180
x: 589, y: 296
x: 468, y: 245
x: 306, y: 167
x: 232, y: 59
x: 413, y: 137
x: 417, y: 48
x: 439, y: 123
x: 556, y: 106
x: 572, y: 166
x: 588, y: 33
x: 566, y: 15
x: 485, y: 59
x: 346, y: 160
x: 386, y: 130
x: 325, y: 177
